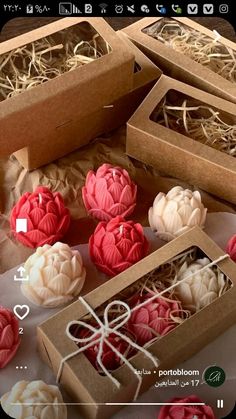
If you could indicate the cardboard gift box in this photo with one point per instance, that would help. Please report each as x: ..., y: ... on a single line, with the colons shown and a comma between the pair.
x: 178, y: 65
x: 96, y: 394
x: 109, y: 117
x: 176, y: 154
x: 47, y: 115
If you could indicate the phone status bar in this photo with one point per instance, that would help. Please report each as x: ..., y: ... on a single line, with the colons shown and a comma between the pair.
x: 127, y: 9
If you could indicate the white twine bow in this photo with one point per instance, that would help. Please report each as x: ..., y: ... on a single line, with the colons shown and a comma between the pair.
x: 102, y: 333
x: 107, y: 328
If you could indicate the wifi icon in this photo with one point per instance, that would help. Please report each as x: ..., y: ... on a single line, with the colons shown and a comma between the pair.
x: 103, y: 7
x: 65, y: 9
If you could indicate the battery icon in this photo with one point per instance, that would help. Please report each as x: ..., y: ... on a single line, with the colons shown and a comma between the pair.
x: 29, y: 9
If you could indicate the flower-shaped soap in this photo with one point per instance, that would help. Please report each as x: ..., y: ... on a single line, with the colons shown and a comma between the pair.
x: 156, y: 318
x: 117, y: 245
x: 47, y: 401
x: 175, y: 213
x: 109, y: 358
x: 9, y: 336
x: 109, y: 192
x: 56, y: 275
x: 186, y: 408
x: 231, y: 248
x: 200, y: 288
x: 40, y: 218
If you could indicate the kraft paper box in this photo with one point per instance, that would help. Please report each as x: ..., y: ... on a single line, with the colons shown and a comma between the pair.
x: 178, y: 155
x: 178, y: 65
x: 43, y: 115
x: 80, y: 379
x: 112, y: 115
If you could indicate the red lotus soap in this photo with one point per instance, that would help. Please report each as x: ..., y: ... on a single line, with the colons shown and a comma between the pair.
x: 9, y: 336
x: 109, y: 192
x: 116, y: 245
x: 231, y: 248
x: 155, y: 318
x: 109, y: 358
x: 40, y: 218
x: 186, y: 408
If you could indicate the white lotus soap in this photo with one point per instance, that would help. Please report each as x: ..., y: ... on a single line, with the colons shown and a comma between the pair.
x: 174, y: 213
x: 56, y: 275
x: 200, y: 288
x: 17, y: 402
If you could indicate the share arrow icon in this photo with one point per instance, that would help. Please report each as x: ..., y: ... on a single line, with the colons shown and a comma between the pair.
x: 21, y: 271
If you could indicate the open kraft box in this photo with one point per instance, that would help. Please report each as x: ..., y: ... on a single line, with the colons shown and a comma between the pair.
x: 109, y: 117
x: 46, y: 117
x: 176, y: 154
x: 178, y: 65
x: 80, y: 379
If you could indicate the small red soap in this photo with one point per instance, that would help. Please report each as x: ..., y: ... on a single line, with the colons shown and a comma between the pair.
x: 9, y: 336
x: 40, y: 218
x: 186, y: 408
x: 231, y: 248
x: 116, y: 245
x: 155, y: 318
x: 109, y: 192
x: 110, y: 359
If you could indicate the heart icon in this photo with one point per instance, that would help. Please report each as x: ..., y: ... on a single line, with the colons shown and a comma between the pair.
x: 21, y: 311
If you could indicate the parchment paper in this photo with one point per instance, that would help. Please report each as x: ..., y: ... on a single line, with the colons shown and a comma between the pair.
x: 67, y: 176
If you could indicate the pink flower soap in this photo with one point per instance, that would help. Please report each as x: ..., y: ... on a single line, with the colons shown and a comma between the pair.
x: 109, y: 192
x: 109, y: 358
x: 231, y: 248
x: 9, y: 336
x: 116, y: 245
x: 155, y: 318
x: 186, y: 408
x: 40, y: 218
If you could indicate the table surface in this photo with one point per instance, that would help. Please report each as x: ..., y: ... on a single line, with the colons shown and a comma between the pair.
x: 18, y: 26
